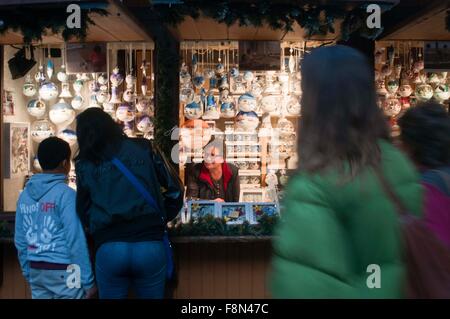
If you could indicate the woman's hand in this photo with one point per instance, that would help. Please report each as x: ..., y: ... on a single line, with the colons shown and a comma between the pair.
x: 220, y: 200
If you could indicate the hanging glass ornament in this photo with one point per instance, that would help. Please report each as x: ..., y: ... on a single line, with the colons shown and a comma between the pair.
x: 424, y: 92
x: 247, y: 102
x: 198, y: 81
x: 115, y: 99
x: 248, y: 76
x: 77, y: 102
x: 293, y: 106
x: 144, y: 124
x: 102, y: 79
x: 211, y: 111
x: 234, y: 72
x: 381, y: 88
x: 41, y: 129
x: 62, y: 114
x: 69, y: 136
x: 48, y: 91
x: 40, y: 76
x: 78, y: 85
x: 102, y: 95
x: 405, y: 90
x: 185, y: 77
x: 247, y: 121
x: 194, y: 109
x: 36, y: 108
x: 392, y: 86
x: 441, y: 93
x: 397, y: 70
x: 270, y: 103
x: 434, y: 79
x: 29, y: 88
x: 291, y: 62
x: 186, y: 95
x: 129, y: 95
x: 116, y: 78
x: 62, y: 76
x: 379, y: 54
x: 65, y: 90
x: 392, y: 106
x: 227, y: 107
x: 125, y: 112
x: 50, y: 68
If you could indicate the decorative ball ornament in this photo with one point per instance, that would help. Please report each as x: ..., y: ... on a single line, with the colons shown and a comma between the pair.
x: 381, y: 87
x: 247, y: 121
x: 392, y: 86
x: 41, y: 129
x: 270, y: 103
x: 116, y: 78
x: 36, y: 108
x: 198, y: 81
x: 102, y: 96
x: 144, y: 124
x: 186, y: 95
x: 102, y: 79
x: 424, y: 92
x: 256, y: 90
x: 220, y: 69
x: 77, y: 102
x: 125, y: 112
x: 115, y: 99
x: 227, y: 109
x: 129, y: 95
x: 211, y: 109
x: 65, y: 90
x: 50, y: 68
x: 405, y: 90
x: 247, y: 103
x: 293, y: 106
x: 434, y: 79
x: 144, y: 105
x: 62, y: 76
x: 39, y: 77
x: 48, y: 91
x: 285, y: 127
x: 78, y: 85
x: 193, y: 110
x: 130, y: 80
x: 248, y: 76
x: 441, y: 93
x: 418, y: 66
x: 392, y: 106
x: 69, y: 136
x: 62, y: 114
x: 29, y: 88
x: 234, y: 72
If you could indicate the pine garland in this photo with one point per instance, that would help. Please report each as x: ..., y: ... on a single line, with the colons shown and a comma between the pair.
x: 315, y: 19
x: 211, y: 226
x: 34, y: 22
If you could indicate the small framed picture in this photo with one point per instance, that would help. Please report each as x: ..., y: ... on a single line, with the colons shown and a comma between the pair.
x: 257, y: 210
x: 197, y: 209
x: 251, y: 195
x: 8, y: 102
x: 233, y: 213
x: 17, y: 149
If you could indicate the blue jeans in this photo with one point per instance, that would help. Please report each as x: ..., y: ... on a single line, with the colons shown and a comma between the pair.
x: 139, y: 265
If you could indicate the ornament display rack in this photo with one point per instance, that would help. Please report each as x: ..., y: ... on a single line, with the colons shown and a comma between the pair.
x: 203, y: 57
x: 402, y: 80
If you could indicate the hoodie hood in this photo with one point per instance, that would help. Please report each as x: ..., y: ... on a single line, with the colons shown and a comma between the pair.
x: 41, y: 184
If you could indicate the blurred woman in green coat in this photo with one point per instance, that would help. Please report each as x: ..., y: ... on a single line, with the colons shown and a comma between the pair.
x: 339, y: 235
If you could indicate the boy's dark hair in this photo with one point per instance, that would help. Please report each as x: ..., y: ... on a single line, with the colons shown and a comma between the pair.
x: 426, y: 132
x: 52, y: 151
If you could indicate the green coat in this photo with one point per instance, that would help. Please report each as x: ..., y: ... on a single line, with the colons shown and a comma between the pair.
x: 331, y: 232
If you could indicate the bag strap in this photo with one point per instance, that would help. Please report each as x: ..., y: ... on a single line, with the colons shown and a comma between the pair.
x: 135, y: 182
x: 401, y: 209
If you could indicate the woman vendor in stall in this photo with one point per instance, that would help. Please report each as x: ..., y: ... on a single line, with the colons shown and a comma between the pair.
x: 213, y: 179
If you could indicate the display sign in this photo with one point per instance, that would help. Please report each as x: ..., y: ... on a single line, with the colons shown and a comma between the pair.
x: 86, y: 58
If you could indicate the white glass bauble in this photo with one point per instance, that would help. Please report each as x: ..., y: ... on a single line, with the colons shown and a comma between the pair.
x: 41, y: 129
x: 247, y: 121
x: 36, y: 108
x: 65, y: 90
x: 441, y: 93
x: 116, y: 78
x: 234, y: 72
x: 62, y: 76
x: 102, y: 96
x: 102, y: 79
x: 285, y: 127
x: 392, y: 106
x: 130, y: 80
x: 69, y: 136
x: 248, y: 76
x: 61, y: 113
x: 129, y: 95
x: 48, y: 91
x: 405, y: 90
x: 125, y: 112
x: 293, y: 106
x: 392, y: 86
x: 77, y: 102
x: 194, y: 109
x: 50, y: 68
x: 144, y: 124
x: 247, y: 102
x: 270, y: 103
x: 115, y: 98
x: 186, y: 95
x: 29, y: 88
x: 424, y: 92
